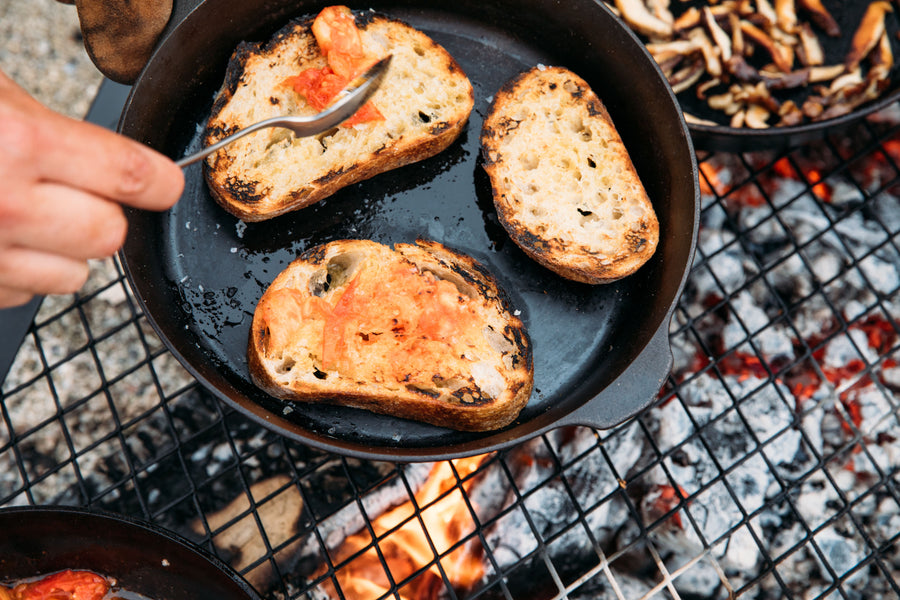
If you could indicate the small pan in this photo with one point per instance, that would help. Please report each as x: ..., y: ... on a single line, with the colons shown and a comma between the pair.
x: 600, y: 353
x: 722, y: 137
x: 145, y: 560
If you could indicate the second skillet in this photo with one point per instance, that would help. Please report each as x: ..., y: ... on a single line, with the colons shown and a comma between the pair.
x: 601, y: 353
x: 722, y: 137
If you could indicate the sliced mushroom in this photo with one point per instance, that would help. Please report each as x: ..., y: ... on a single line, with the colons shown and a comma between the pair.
x: 786, y: 15
x: 743, y: 8
x: 837, y: 110
x: 882, y: 59
x: 660, y: 10
x: 669, y: 65
x: 738, y: 119
x: 737, y: 37
x: 758, y: 94
x: 710, y: 55
x: 741, y: 69
x: 721, y: 39
x: 782, y: 38
x: 687, y: 20
x: 665, y: 50
x: 813, y: 107
x: 639, y: 18
x: 868, y: 33
x: 705, y: 86
x: 765, y: 10
x: 809, y: 50
x: 779, y: 80
x: 759, y: 37
x: 697, y: 120
x: 756, y: 117
x: 818, y: 74
x: 790, y: 114
x: 846, y: 81
x: 786, y: 51
x: 725, y: 103
x: 821, y: 17
x: 684, y: 78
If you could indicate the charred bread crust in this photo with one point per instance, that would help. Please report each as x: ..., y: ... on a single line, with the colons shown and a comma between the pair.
x: 563, y: 184
x: 481, y: 392
x: 425, y: 97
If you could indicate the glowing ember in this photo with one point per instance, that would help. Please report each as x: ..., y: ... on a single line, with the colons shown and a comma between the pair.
x: 709, y: 181
x: 405, y: 543
x: 783, y: 168
x: 663, y: 501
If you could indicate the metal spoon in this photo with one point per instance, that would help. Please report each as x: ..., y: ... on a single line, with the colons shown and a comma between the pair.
x: 350, y: 99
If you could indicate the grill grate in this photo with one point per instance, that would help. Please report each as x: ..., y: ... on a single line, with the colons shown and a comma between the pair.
x: 767, y: 469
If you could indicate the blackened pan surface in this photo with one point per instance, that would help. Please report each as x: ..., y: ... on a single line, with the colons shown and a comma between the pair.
x: 199, y: 272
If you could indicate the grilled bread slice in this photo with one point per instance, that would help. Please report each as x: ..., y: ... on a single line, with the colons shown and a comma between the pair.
x: 418, y: 331
x: 563, y: 183
x: 425, y: 99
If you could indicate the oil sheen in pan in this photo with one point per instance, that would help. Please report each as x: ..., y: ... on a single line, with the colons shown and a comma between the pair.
x: 221, y: 265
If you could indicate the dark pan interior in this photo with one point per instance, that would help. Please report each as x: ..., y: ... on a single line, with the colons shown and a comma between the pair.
x: 143, y: 559
x: 722, y: 137
x: 199, y: 271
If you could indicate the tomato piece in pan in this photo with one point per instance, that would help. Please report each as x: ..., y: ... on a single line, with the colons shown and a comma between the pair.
x: 65, y: 585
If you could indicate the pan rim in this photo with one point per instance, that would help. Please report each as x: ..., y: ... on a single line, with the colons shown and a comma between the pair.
x: 722, y: 137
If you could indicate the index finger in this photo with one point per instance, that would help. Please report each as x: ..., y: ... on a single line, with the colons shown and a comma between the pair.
x: 108, y: 164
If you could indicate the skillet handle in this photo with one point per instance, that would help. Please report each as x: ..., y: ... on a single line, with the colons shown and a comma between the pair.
x: 634, y: 390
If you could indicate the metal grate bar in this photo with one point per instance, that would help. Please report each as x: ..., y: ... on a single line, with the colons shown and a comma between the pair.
x: 758, y: 473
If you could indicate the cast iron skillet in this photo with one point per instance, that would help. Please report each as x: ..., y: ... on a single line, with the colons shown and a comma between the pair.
x: 721, y: 137
x: 600, y: 353
x: 142, y: 558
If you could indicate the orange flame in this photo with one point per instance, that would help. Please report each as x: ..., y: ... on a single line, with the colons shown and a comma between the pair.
x: 405, y: 543
x: 664, y: 500
x: 821, y: 189
x: 784, y: 168
x: 710, y: 184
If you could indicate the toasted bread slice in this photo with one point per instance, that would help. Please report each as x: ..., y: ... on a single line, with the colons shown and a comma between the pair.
x: 425, y: 98
x: 563, y: 183
x: 419, y: 332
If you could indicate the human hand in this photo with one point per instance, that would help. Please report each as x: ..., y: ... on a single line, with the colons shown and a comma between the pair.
x: 63, y: 186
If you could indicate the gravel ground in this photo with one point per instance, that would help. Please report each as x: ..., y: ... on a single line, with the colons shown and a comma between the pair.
x: 43, y: 52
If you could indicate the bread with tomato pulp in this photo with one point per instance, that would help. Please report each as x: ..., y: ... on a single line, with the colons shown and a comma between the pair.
x: 417, y: 331
x: 421, y: 107
x: 563, y: 183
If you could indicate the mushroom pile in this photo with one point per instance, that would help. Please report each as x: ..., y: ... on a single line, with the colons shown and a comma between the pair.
x: 748, y: 58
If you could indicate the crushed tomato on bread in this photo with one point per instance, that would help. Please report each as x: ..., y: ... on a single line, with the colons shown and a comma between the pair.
x: 338, y: 37
x: 421, y: 107
x: 417, y: 331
